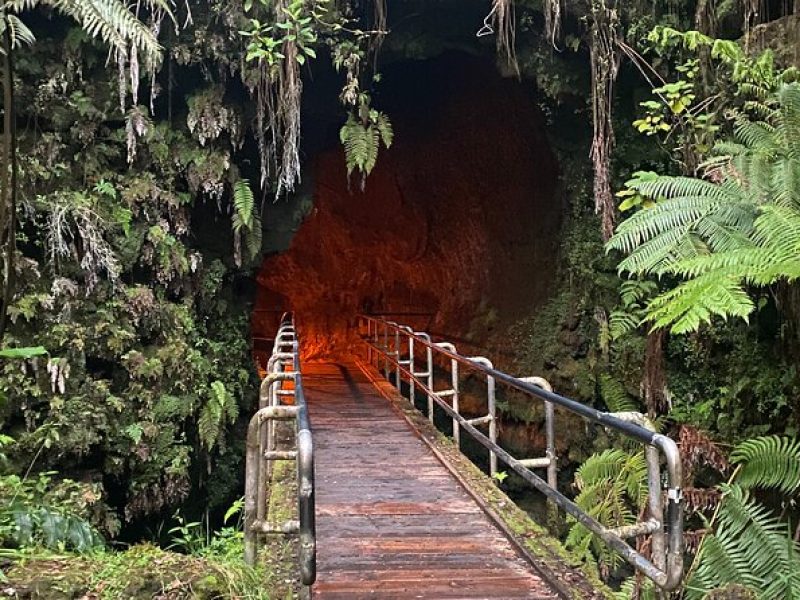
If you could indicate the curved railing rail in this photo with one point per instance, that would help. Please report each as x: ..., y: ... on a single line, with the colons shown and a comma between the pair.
x: 392, y: 346
x: 282, y: 381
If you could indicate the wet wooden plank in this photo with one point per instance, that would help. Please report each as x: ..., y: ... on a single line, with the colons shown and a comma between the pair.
x: 392, y: 521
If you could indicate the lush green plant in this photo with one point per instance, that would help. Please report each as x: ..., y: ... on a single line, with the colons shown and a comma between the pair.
x: 39, y: 511
x: 741, y: 228
x: 108, y: 20
x: 366, y: 128
x: 612, y: 488
x: 749, y: 546
x: 246, y: 222
x: 144, y: 336
x: 295, y: 26
x: 22, y: 352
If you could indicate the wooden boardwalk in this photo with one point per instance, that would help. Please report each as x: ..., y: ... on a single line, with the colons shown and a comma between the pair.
x: 392, y: 521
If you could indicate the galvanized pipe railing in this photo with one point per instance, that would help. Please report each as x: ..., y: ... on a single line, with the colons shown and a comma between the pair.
x: 665, y: 567
x: 283, y: 381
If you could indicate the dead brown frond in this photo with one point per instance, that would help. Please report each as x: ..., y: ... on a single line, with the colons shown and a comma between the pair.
x: 697, y: 449
x: 701, y: 499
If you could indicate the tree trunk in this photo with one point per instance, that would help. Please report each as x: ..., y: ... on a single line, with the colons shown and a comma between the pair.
x: 654, y: 379
x: 8, y: 205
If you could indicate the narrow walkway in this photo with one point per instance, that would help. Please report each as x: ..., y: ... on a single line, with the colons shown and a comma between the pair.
x: 392, y: 522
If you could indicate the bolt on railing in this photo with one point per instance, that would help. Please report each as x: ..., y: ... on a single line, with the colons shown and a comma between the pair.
x: 397, y: 354
x: 282, y: 381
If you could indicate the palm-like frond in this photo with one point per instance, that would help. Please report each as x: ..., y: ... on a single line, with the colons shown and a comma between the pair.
x: 20, y: 34
x: 108, y: 20
x: 111, y: 21
x: 245, y: 222
x: 721, y: 236
x: 219, y: 410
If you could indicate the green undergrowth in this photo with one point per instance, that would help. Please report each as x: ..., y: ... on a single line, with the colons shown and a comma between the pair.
x: 42, y: 558
x: 143, y: 571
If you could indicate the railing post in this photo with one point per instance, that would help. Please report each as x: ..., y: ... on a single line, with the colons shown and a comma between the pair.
x: 429, y: 372
x: 453, y: 390
x: 454, y: 383
x: 655, y: 504
x: 490, y: 386
x: 386, y: 350
x: 369, y: 337
x: 551, y: 458
x: 397, y: 357
x: 411, y: 384
x: 492, y: 410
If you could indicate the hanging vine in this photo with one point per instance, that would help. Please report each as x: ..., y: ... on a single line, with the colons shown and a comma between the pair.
x: 552, y: 20
x: 605, y: 59
x: 379, y: 22
x: 501, y: 22
x: 281, y: 42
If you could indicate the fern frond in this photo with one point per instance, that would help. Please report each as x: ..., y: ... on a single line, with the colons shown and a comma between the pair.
x: 694, y: 302
x: 253, y: 238
x: 749, y: 547
x: 362, y: 140
x: 244, y: 205
x: 384, y: 127
x: 614, y: 395
x: 111, y: 21
x: 612, y: 488
x: 636, y: 587
x: 771, y: 462
x: 621, y: 322
x: 20, y: 34
x: 789, y: 97
x: 219, y: 410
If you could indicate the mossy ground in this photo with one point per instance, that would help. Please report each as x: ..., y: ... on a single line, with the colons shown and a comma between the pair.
x: 148, y: 572
x: 143, y: 571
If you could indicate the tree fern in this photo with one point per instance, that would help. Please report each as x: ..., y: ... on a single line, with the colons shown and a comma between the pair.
x: 719, y: 236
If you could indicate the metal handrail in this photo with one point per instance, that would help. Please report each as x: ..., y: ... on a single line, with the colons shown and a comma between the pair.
x: 262, y: 451
x: 393, y: 345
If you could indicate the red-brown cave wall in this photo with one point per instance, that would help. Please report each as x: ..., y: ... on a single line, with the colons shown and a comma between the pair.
x: 460, y: 218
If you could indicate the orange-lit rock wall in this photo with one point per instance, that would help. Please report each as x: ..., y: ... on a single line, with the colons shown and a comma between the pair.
x: 459, y: 219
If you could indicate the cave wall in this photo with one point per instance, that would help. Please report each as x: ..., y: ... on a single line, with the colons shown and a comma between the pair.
x: 459, y: 219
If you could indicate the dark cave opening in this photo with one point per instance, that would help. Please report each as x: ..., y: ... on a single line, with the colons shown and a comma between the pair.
x: 459, y: 221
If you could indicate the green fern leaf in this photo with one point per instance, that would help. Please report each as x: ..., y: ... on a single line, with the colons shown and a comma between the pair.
x: 771, y: 462
x: 244, y: 205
